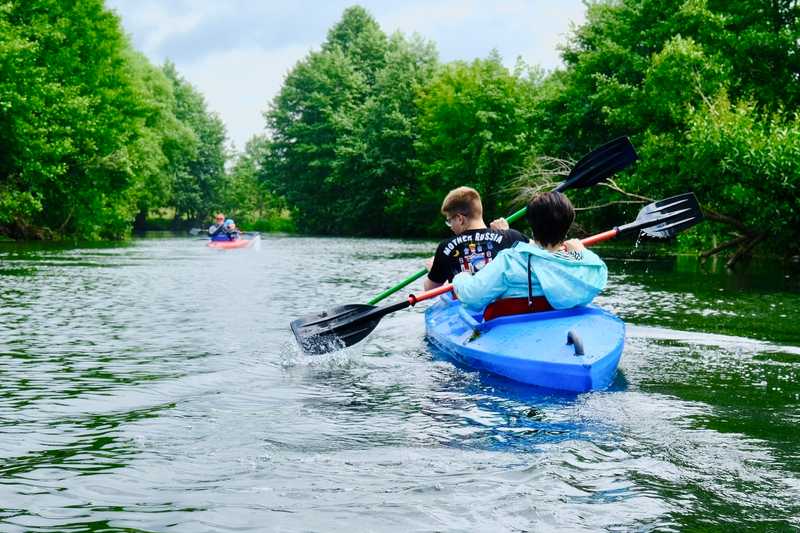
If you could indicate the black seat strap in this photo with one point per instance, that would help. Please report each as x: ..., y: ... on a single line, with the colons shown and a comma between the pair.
x: 530, y: 285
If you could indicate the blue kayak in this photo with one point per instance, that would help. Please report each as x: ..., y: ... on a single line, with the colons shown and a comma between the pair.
x: 542, y: 348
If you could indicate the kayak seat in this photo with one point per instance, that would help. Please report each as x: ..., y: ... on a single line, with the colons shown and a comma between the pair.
x: 515, y: 306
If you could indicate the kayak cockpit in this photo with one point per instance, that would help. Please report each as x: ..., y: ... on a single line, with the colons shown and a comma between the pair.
x: 534, y: 347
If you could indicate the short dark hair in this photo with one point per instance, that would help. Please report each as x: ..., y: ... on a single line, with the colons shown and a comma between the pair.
x: 550, y: 215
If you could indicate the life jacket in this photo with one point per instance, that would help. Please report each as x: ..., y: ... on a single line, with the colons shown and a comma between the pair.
x: 517, y: 306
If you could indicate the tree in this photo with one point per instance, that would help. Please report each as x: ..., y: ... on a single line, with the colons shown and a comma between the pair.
x: 164, y: 143
x: 474, y: 129
x: 198, y: 171
x: 685, y: 78
x: 68, y: 109
x: 359, y: 37
x: 17, y: 57
x: 246, y: 196
x: 316, y: 154
x: 308, y: 118
x: 381, y: 151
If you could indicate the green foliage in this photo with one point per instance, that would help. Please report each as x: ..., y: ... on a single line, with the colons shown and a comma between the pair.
x: 309, y: 117
x: 706, y: 88
x: 368, y: 134
x: 198, y: 164
x: 165, y: 141
x: 66, y: 118
x: 342, y: 130
x: 749, y: 164
x: 246, y: 197
x: 361, y: 40
x: 383, y: 147
x: 474, y: 129
x: 92, y: 133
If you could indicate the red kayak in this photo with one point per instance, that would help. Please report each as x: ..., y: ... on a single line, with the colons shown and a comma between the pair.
x: 238, y: 243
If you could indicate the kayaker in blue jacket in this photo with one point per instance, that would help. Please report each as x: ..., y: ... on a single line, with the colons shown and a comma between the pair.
x: 564, y: 272
x: 231, y: 231
x: 474, y: 245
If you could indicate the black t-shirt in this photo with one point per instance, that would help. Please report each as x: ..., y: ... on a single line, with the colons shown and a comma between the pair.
x: 470, y: 251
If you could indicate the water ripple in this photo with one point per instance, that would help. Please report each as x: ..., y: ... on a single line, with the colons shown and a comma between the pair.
x: 156, y: 386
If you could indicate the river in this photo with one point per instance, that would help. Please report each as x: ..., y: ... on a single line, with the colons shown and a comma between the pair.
x: 156, y: 386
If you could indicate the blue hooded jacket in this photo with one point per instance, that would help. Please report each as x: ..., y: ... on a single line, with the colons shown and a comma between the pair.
x: 565, y: 282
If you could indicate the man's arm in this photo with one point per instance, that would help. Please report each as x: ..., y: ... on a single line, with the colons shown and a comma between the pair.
x: 428, y: 283
x: 499, y: 224
x: 438, y: 271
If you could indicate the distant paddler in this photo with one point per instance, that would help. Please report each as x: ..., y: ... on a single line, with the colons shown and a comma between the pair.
x: 216, y: 229
x: 223, y: 230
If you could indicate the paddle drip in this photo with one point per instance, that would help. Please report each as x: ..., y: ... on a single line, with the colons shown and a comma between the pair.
x: 638, y: 240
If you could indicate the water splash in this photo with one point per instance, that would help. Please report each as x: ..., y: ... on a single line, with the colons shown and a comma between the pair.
x: 638, y: 240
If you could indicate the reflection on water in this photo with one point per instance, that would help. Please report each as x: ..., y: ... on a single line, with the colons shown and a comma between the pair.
x: 156, y: 386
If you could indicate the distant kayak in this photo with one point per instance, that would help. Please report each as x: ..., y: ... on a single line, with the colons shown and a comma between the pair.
x: 533, y: 348
x: 242, y: 242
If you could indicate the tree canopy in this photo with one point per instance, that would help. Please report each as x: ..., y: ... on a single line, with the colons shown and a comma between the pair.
x: 92, y: 134
x: 69, y: 118
x: 369, y: 132
x: 708, y: 91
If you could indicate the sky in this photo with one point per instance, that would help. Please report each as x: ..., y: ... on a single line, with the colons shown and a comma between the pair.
x: 237, y: 52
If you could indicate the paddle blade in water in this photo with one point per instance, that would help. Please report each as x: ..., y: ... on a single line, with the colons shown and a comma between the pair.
x: 600, y: 164
x: 677, y: 213
x: 334, y: 328
x: 347, y: 324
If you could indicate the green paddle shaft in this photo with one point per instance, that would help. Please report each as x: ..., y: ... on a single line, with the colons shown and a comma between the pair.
x: 416, y: 276
x: 516, y: 216
x: 397, y: 287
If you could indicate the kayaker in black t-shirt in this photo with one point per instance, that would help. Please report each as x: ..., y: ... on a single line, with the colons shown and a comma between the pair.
x: 474, y: 245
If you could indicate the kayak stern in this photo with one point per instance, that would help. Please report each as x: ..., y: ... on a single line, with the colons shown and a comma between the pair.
x: 532, y: 348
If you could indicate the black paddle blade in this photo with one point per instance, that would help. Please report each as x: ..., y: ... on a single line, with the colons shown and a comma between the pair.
x: 665, y: 218
x: 600, y: 164
x: 339, y: 327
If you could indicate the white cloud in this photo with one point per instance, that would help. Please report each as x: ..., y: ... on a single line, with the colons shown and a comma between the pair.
x: 151, y: 23
x: 239, y: 84
x: 467, y: 30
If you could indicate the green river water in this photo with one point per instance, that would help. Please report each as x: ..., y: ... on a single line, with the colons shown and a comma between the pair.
x: 156, y: 386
